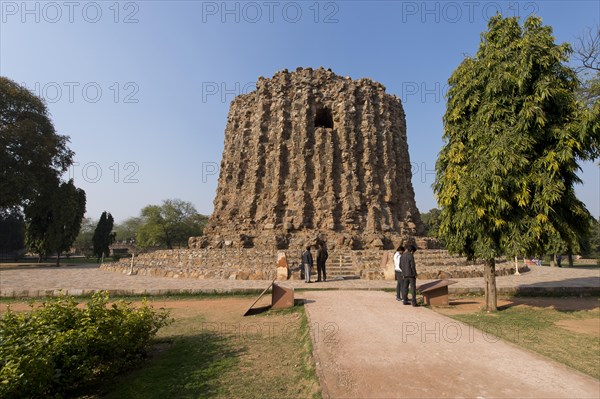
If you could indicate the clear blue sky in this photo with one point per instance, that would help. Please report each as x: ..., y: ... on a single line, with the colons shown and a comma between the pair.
x: 143, y: 87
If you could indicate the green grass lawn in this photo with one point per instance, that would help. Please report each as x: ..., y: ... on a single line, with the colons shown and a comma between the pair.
x: 219, y: 354
x: 535, y: 329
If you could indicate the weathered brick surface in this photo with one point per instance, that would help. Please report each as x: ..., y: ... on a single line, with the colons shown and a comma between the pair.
x: 311, y: 154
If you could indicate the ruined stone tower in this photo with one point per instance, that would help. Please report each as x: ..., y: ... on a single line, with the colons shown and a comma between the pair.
x: 309, y: 155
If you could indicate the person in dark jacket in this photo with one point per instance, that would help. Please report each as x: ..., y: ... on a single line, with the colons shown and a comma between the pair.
x: 307, y: 262
x: 409, y: 275
x: 321, y: 259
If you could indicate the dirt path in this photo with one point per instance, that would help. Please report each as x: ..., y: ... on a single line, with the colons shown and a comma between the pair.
x: 368, y: 345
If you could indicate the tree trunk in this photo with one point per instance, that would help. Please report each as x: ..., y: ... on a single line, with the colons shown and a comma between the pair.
x: 552, y: 260
x: 570, y: 260
x: 489, y: 274
x: 57, y: 259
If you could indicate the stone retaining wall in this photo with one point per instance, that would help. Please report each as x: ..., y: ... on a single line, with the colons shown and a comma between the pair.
x: 234, y: 264
x: 254, y: 264
x: 431, y: 264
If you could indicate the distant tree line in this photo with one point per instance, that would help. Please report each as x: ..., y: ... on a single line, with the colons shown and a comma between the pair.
x: 164, y: 226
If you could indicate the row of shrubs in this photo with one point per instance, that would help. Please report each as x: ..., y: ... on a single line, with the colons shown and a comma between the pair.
x: 60, y: 347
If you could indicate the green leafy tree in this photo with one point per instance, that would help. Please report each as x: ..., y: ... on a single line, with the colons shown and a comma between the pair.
x: 197, y: 224
x: 128, y: 229
x: 513, y: 139
x: 595, y: 238
x: 587, y: 52
x: 103, y: 236
x: 31, y: 153
x: 169, y: 225
x: 12, y: 232
x: 431, y: 221
x: 83, y: 243
x: 554, y: 247
x: 590, y: 90
x: 53, y: 219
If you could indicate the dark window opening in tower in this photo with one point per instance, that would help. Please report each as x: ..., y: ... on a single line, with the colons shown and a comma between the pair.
x: 324, y: 118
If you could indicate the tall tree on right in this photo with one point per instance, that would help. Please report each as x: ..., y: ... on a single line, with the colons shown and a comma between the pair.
x: 103, y: 236
x: 513, y: 140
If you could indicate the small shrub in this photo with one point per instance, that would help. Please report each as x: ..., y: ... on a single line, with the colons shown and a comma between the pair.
x: 58, y: 347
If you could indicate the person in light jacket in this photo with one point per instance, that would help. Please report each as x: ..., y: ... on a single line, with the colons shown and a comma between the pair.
x: 399, y: 251
x: 307, y: 261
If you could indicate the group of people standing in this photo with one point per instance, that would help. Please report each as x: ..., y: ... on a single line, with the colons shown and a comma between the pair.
x: 307, y: 263
x: 404, y: 266
x: 406, y: 274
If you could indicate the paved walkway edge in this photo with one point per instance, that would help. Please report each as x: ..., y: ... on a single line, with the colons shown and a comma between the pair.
x: 317, y: 360
x: 510, y: 291
x: 160, y: 292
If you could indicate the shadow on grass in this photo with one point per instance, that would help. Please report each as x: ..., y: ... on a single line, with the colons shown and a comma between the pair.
x: 562, y: 304
x: 189, y: 368
x: 456, y: 303
x: 253, y: 311
x: 268, y: 310
x: 257, y: 310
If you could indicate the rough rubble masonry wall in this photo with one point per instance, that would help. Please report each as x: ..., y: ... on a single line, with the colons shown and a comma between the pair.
x: 255, y: 264
x: 309, y: 155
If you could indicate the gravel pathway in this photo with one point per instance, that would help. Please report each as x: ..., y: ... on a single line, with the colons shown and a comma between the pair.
x: 368, y: 345
x: 82, y: 279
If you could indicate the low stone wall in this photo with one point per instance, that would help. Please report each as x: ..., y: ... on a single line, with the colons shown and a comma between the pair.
x: 233, y: 264
x: 454, y: 272
x: 254, y: 264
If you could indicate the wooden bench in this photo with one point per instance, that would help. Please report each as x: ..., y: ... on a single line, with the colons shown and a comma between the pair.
x: 435, y: 293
